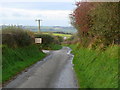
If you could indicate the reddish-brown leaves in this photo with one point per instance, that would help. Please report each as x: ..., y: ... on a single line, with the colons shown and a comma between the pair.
x: 81, y: 15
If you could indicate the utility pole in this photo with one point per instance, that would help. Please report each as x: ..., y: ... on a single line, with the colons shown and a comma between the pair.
x: 38, y: 24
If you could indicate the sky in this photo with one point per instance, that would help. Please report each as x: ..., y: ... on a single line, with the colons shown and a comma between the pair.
x: 25, y: 12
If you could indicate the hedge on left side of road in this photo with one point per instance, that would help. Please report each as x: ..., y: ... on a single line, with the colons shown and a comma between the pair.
x: 14, y: 37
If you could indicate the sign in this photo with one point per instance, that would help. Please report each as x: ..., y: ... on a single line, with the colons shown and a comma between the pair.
x: 38, y: 40
x: 65, y: 38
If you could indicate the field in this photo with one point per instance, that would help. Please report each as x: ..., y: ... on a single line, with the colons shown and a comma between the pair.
x: 63, y: 35
x: 57, y: 34
x: 96, y: 69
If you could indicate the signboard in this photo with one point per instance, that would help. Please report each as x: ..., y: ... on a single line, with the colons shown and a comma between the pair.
x: 38, y: 40
x: 65, y: 38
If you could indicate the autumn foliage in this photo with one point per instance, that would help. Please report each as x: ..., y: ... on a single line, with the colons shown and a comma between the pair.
x: 97, y: 22
x: 82, y: 17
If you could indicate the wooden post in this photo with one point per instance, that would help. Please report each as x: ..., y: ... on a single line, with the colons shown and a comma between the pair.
x: 39, y: 25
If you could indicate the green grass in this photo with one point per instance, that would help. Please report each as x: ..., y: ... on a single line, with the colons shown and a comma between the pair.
x: 62, y: 35
x: 96, y: 69
x: 55, y: 46
x: 52, y: 47
x: 16, y: 60
x: 0, y: 74
x: 56, y: 34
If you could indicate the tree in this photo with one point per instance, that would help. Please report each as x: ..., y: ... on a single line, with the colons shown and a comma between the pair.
x: 81, y: 18
x: 105, y: 21
x: 99, y: 20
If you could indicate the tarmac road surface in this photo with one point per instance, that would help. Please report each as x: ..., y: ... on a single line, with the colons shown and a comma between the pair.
x: 54, y: 71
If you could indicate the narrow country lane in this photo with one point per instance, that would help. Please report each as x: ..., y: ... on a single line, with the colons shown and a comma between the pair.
x: 55, y: 71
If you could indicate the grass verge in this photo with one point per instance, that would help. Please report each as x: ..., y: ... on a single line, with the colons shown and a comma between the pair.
x: 16, y: 60
x: 52, y: 47
x: 96, y: 69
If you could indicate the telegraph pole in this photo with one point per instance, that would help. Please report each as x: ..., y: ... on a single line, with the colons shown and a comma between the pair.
x: 39, y: 25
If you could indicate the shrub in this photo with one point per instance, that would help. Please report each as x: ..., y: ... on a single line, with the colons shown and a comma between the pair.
x: 46, y: 39
x: 97, y: 19
x: 22, y: 39
x: 58, y: 39
x: 16, y: 37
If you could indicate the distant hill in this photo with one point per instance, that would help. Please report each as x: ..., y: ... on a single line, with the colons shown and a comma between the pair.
x: 50, y: 29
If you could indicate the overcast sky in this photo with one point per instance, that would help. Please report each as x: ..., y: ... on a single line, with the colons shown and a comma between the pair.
x: 24, y: 12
